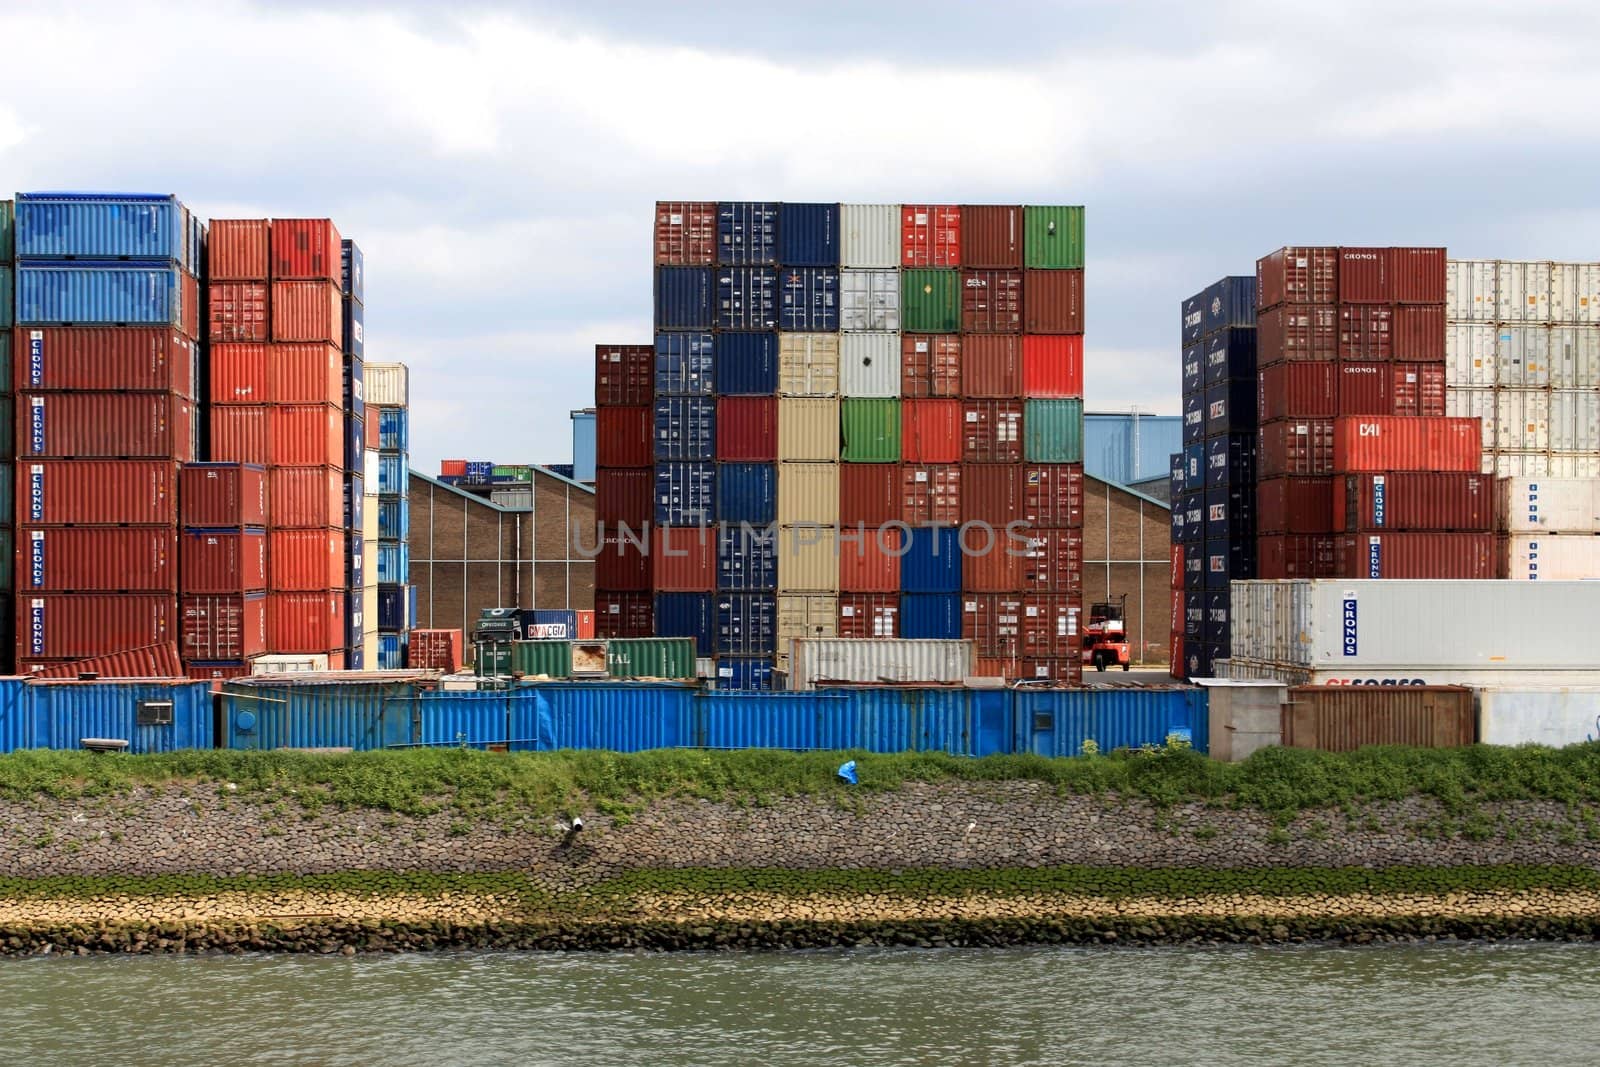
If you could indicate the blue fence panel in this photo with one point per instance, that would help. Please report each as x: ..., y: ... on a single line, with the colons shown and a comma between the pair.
x: 67, y: 712
x: 685, y: 364
x: 512, y: 718
x: 16, y: 715
x: 918, y: 718
x: 358, y: 715
x: 684, y: 298
x: 1056, y: 722
x: 620, y: 717
x: 747, y: 298
x: 747, y: 364
x: 747, y: 232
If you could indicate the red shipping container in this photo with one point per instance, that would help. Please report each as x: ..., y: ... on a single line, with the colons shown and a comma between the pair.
x: 930, y: 431
x: 991, y: 493
x: 624, y: 375
x: 1297, y: 333
x: 626, y: 495
x: 434, y: 650
x: 1418, y: 333
x: 1178, y: 595
x: 222, y: 494
x: 869, y: 615
x: 224, y: 627
x: 622, y: 437
x: 1386, y: 443
x: 147, y: 661
x: 78, y: 625
x: 1295, y: 556
x: 221, y: 672
x: 624, y: 614
x: 239, y: 312
x: 1364, y: 276
x: 224, y: 561
x: 190, y: 306
x: 1050, y: 626
x: 991, y: 236
x: 305, y: 374
x: 991, y: 561
x: 239, y: 373
x: 1417, y: 275
x: 1415, y: 501
x: 1419, y: 389
x: 307, y: 249
x: 869, y: 559
x: 686, y: 233
x: 1366, y: 332
x: 1053, y: 301
x: 991, y: 302
x: 86, y: 559
x: 104, y: 359
x: 238, y: 250
x: 105, y: 425
x: 1177, y: 584
x: 1295, y: 446
x: 308, y: 311
x: 996, y: 667
x: 305, y: 623
x: 97, y: 492
x: 305, y: 435
x: 1064, y: 671
x: 869, y: 494
x: 993, y: 623
x: 585, y: 625
x: 747, y: 428
x: 1297, y: 276
x: 452, y: 468
x: 306, y: 560
x: 1415, y: 555
x: 930, y: 365
x: 991, y: 366
x: 683, y: 559
x: 1052, y: 495
x: 930, y: 494
x: 930, y: 235
x: 306, y: 498
x: 1294, y: 505
x: 1054, y: 562
x: 1297, y: 391
x: 374, y: 436
x: 991, y: 430
x: 624, y: 565
x: 1365, y: 389
x: 1052, y: 367
x: 1175, y: 668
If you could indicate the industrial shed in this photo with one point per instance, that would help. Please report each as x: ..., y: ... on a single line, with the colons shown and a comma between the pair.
x: 1127, y: 548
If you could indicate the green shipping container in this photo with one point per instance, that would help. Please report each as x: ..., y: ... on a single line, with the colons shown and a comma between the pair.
x: 8, y: 230
x: 492, y: 658
x: 1052, y: 238
x: 871, y: 429
x: 514, y: 473
x: 550, y: 658
x: 930, y: 301
x: 8, y: 300
x: 1052, y: 431
x: 651, y: 657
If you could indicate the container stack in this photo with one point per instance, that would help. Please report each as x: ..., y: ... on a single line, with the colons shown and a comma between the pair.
x: 8, y: 533
x: 1549, y: 528
x: 388, y: 399
x: 222, y: 573
x: 107, y: 313
x: 352, y: 271
x: 625, y: 488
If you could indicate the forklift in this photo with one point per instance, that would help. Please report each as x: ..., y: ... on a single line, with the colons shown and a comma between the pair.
x: 1105, y: 637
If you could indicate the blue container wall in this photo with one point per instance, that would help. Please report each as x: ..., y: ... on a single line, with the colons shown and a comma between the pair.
x: 16, y: 713
x: 358, y: 715
x: 548, y: 624
x: 1228, y: 561
x: 355, y: 442
x: 798, y: 722
x: 1194, y: 517
x: 747, y: 624
x: 1194, y: 318
x: 354, y: 343
x: 1194, y: 418
x: 1130, y: 448
x: 747, y: 561
x: 686, y: 494
x: 747, y: 364
x: 808, y: 299
x: 747, y: 492
x: 686, y: 427
x: 687, y: 615
x: 102, y: 226
x: 747, y: 233
x: 1197, y: 657
x: 66, y: 712
x: 394, y: 518
x: 932, y: 563
x: 583, y: 446
x: 355, y: 567
x: 1178, y: 535
x: 394, y: 561
x: 392, y: 474
x: 479, y: 471
x: 411, y: 607
x: 394, y: 430
x: 621, y: 717
x: 355, y: 620
x: 391, y: 652
x: 1229, y: 302
x: 1231, y: 407
x: 353, y: 270
x: 1194, y: 368
x: 476, y: 720
x: 393, y: 604
x: 355, y: 658
x: 355, y: 374
x: 747, y: 298
x: 1231, y: 354
x: 1176, y: 478
x: 1194, y: 609
x: 931, y: 615
x: 90, y: 293
x: 808, y: 235
x: 1218, y: 632
x: 744, y: 673
x: 1231, y: 460
x: 684, y: 364
x: 355, y: 502
x: 685, y: 298
x: 1056, y: 722
x: 1230, y: 512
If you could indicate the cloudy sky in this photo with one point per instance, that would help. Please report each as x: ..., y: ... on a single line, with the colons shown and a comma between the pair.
x: 498, y: 162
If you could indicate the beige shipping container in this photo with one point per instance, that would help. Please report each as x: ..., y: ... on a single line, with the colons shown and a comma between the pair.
x: 808, y: 559
x: 1469, y: 290
x: 808, y: 364
x: 1549, y: 505
x: 1575, y: 357
x: 1469, y: 354
x: 1574, y: 421
x: 1575, y: 293
x: 808, y: 493
x: 1550, y: 557
x: 1522, y: 420
x: 1522, y: 357
x: 804, y: 615
x: 1542, y: 464
x: 386, y: 385
x: 808, y: 429
x: 1522, y: 291
x: 869, y: 235
x: 1474, y: 404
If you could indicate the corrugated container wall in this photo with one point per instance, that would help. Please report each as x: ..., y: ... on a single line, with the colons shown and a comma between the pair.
x: 870, y: 235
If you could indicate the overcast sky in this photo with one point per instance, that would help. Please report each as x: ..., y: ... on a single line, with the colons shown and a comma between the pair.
x: 499, y: 162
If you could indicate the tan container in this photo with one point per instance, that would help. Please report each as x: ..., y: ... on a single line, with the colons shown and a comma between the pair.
x: 808, y: 560
x: 804, y: 615
x: 1345, y: 718
x: 808, y: 429
x: 808, y: 492
x: 808, y: 364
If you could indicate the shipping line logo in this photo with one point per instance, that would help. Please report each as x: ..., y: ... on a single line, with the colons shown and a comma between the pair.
x: 36, y: 358
x: 974, y: 539
x: 36, y: 559
x: 1349, y: 625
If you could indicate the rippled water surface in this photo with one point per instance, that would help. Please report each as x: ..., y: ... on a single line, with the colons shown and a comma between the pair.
x: 1489, y: 1004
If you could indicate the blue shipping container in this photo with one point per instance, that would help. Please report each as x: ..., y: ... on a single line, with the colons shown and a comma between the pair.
x: 155, y: 716
x: 684, y: 298
x: 16, y: 711
x: 686, y: 427
x: 747, y: 298
x: 354, y: 344
x: 747, y: 558
x: 392, y: 474
x: 1057, y: 722
x: 1178, y: 536
x: 1231, y: 407
x: 103, y: 226
x: 394, y: 431
x: 1194, y: 418
x: 962, y: 722
x: 931, y: 615
x: 355, y: 442
x: 479, y: 471
x: 808, y: 299
x: 391, y: 652
x: 1196, y: 657
x: 1230, y: 302
x: 1194, y: 564
x: 747, y: 364
x: 394, y: 561
x: 94, y: 293
x: 354, y: 618
x: 747, y: 492
x: 394, y: 518
x: 1217, y: 629
x: 355, y: 567
x: 1228, y: 561
x: 747, y: 624
x: 354, y: 269
x: 548, y: 624
x: 747, y: 233
x: 297, y: 714
x: 1231, y: 353
x: 1194, y: 466
x: 393, y: 603
x: 686, y: 494
x: 808, y: 235
x: 1194, y: 610
x: 355, y: 502
x: 1194, y: 517
x: 1231, y: 460
x: 747, y: 674
x: 1230, y: 512
x: 687, y: 615
x: 799, y: 722
x: 1176, y: 478
x: 1194, y: 368
x: 684, y: 364
x: 931, y: 564
x: 354, y: 374
x: 618, y: 716
x: 1194, y: 319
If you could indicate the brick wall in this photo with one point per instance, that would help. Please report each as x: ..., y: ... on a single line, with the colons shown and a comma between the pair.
x: 1127, y: 549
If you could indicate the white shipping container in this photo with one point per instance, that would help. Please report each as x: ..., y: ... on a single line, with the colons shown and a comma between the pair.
x: 869, y: 300
x: 869, y: 235
x: 1473, y: 404
x: 1574, y: 420
x: 387, y: 385
x: 870, y: 659
x: 1546, y: 715
x: 1575, y: 292
x: 1522, y: 357
x: 1551, y: 558
x: 1483, y: 625
x: 808, y: 364
x: 1549, y: 505
x: 310, y: 663
x: 1542, y: 464
x: 1469, y: 290
x: 1522, y: 291
x: 1575, y: 357
x: 1522, y: 420
x: 1251, y: 670
x: 1469, y: 354
x: 869, y: 364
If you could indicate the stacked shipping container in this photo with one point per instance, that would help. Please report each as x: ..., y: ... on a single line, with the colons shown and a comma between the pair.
x: 625, y: 489
x: 8, y: 536
x: 222, y: 568
x: 387, y: 389
x: 361, y: 571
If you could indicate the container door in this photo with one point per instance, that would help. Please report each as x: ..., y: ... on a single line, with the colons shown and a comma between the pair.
x: 1039, y: 719
x: 991, y: 722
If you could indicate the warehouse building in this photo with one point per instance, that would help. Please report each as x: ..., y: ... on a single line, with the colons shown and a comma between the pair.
x: 1127, y: 539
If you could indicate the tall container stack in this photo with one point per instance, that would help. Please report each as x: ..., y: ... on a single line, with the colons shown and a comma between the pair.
x: 352, y: 270
x: 387, y: 389
x: 105, y: 356
x: 625, y: 486
x: 222, y: 568
x: 8, y: 533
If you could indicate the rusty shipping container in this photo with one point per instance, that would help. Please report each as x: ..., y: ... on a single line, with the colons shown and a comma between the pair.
x: 1419, y: 500
x: 930, y: 431
x: 305, y: 622
x: 159, y: 660
x: 305, y: 374
x: 625, y: 495
x: 930, y: 493
x: 224, y: 561
x: 991, y: 493
x: 306, y: 560
x: 1418, y: 333
x: 1364, y: 276
x: 863, y: 615
x: 79, y: 625
x: 1052, y: 495
x: 308, y: 311
x: 1366, y: 332
x: 1297, y: 333
x: 991, y: 430
x: 624, y: 375
x: 1295, y: 556
x: 97, y: 492
x: 686, y: 233
x: 990, y: 561
x: 1297, y: 275
x: 122, y: 359
x: 223, y: 628
x: 222, y: 495
x: 142, y: 559
x: 869, y: 559
x: 623, y: 436
x: 1050, y: 626
x: 105, y: 426
x: 991, y: 236
x: 1296, y: 391
x: 869, y: 494
x: 1052, y: 301
x: 1417, y: 275
x: 991, y: 302
x: 1376, y: 443
x: 991, y: 367
x: 930, y: 235
x: 1419, y: 389
x: 624, y: 614
x: 624, y: 564
x: 1294, y: 505
x: 1415, y: 555
x: 1365, y: 389
x: 747, y: 429
x: 1052, y: 367
x: 239, y: 311
x: 238, y: 250
x: 993, y: 623
x: 280, y: 435
x: 683, y: 559
x: 238, y: 373
x: 1345, y: 718
x: 930, y: 365
x: 306, y: 498
x: 1053, y: 562
x: 1295, y: 447
x: 306, y: 250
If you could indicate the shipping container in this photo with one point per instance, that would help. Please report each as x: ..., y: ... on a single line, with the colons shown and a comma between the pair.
x: 1296, y: 447
x: 1194, y: 418
x: 239, y: 311
x: 869, y: 365
x: 869, y: 558
x: 108, y: 359
x: 305, y: 621
x: 435, y: 650
x: 308, y: 249
x: 868, y: 494
x: 746, y: 624
x: 868, y: 615
x: 993, y: 623
x: 1523, y: 419
x: 1522, y: 291
x: 1053, y: 237
x: 1470, y: 290
x: 991, y: 558
x: 930, y: 494
x: 746, y: 298
x: 746, y: 364
x: 1297, y: 276
x: 623, y: 614
x: 238, y: 373
x: 1364, y: 276
x: 930, y: 616
x: 685, y: 233
x: 625, y: 374
x: 1194, y: 609
x: 992, y: 430
x: 1052, y: 367
x: 809, y: 428
x: 1231, y: 407
x: 930, y: 365
x: 305, y: 497
x: 743, y: 674
x: 1230, y: 512
x: 930, y: 301
x: 1414, y: 501
x: 809, y: 299
x: 1050, y: 626
x: 1534, y: 714
x: 1228, y: 561
x: 1366, y: 332
x: 220, y: 670
x: 870, y: 235
x: 685, y: 494
x: 623, y: 564
x: 1296, y: 391
x: 307, y: 311
x: 684, y: 560
x: 1522, y: 357
x: 685, y: 428
x: 1471, y: 355
x: 817, y: 662
x: 747, y: 558
x: 1294, y: 505
x: 1416, y: 275
x: 354, y: 381
x: 1229, y: 302
x: 623, y: 437
x: 387, y: 384
x: 352, y: 271
x: 932, y: 561
x: 396, y: 608
x: 1053, y: 302
x: 109, y: 226
x: 685, y: 298
x: 929, y: 236
x: 1365, y: 389
x: 1575, y: 357
x: 308, y: 560
x: 747, y: 429
x: 305, y: 374
x: 223, y: 627
x: 1415, y: 555
x: 808, y: 559
x: 1054, y: 431
x: 805, y: 616
x: 237, y: 250
x: 808, y: 493
x: 97, y: 292
x: 79, y: 625
x: 97, y: 492
x: 1574, y: 292
x: 1295, y: 556
x: 992, y: 493
x: 1052, y: 495
x: 747, y: 233
x: 1194, y: 461
x: 1419, y: 389
x: 808, y: 364
x: 1548, y: 505
x: 746, y: 492
x: 1053, y: 561
x: 135, y: 559
x: 105, y: 425
x: 1418, y: 333
x: 686, y: 614
x: 992, y: 366
x: 930, y: 431
x: 1229, y: 354
x: 991, y: 236
x: 216, y: 561
x: 869, y: 301
x: 1398, y: 444
x: 870, y: 430
x: 683, y: 367
x: 991, y: 301
x: 1297, y: 333
x: 1344, y: 719
x: 1549, y: 558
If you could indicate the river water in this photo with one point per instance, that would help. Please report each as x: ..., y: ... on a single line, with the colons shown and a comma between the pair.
x: 1437, y: 1004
